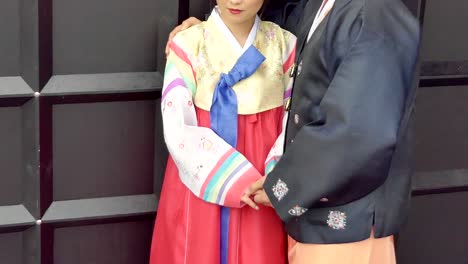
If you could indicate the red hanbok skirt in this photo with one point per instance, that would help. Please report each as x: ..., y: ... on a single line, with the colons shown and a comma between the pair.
x: 187, y: 229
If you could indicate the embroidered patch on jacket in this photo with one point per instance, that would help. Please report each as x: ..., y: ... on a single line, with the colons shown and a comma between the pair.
x: 297, y: 210
x: 280, y: 189
x: 337, y: 220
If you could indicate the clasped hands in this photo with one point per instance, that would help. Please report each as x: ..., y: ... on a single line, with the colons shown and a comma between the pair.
x: 255, y: 194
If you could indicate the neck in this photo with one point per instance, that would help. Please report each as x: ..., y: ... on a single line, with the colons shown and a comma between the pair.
x: 240, y: 31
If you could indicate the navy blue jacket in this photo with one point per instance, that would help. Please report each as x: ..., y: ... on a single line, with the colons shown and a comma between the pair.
x: 346, y: 166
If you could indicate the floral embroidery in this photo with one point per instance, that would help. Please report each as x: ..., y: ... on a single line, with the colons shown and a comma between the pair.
x: 297, y: 211
x: 270, y: 34
x: 280, y: 189
x: 201, y: 61
x: 206, y: 34
x: 337, y: 220
x: 206, y: 144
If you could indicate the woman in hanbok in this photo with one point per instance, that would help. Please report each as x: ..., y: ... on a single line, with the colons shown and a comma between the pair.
x: 225, y: 86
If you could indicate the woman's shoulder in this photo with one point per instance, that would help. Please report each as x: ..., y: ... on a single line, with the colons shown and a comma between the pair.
x: 271, y: 30
x: 276, y: 39
x: 190, y: 38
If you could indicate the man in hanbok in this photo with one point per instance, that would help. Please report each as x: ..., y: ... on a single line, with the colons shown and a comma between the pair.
x: 342, y: 186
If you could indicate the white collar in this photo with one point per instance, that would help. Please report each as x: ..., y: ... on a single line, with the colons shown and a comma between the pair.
x: 321, y: 14
x: 228, y: 34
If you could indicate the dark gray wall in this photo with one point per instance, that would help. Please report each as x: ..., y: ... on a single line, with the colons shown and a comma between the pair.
x: 82, y: 156
x: 437, y: 227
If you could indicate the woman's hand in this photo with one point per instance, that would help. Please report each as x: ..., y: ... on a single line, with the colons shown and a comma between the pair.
x: 255, y: 189
x: 189, y: 22
x: 248, y: 201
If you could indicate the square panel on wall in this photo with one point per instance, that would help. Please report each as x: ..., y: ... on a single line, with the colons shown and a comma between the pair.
x: 103, y: 149
x: 10, y: 32
x: 105, y: 36
x: 443, y: 51
x: 19, y: 181
x: 11, y: 248
x: 20, y: 247
x: 444, y: 22
x: 99, y: 174
x: 100, y: 157
x: 124, y: 243
x: 436, y: 230
x: 441, y: 128
x: 11, y: 155
x: 19, y: 50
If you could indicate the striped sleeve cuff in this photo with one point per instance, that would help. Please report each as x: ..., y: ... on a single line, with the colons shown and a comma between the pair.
x: 229, y: 179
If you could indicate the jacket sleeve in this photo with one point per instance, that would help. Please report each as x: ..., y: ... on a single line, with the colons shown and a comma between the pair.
x: 212, y: 169
x: 348, y: 155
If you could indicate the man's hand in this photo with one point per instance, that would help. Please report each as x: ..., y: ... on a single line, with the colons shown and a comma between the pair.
x: 191, y: 21
x: 262, y: 198
x: 256, y: 186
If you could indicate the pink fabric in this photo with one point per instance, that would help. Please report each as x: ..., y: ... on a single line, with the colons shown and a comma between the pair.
x: 369, y: 251
x: 187, y: 228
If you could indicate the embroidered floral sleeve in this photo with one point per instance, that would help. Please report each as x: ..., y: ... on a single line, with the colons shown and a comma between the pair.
x: 208, y: 166
x: 289, y: 54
